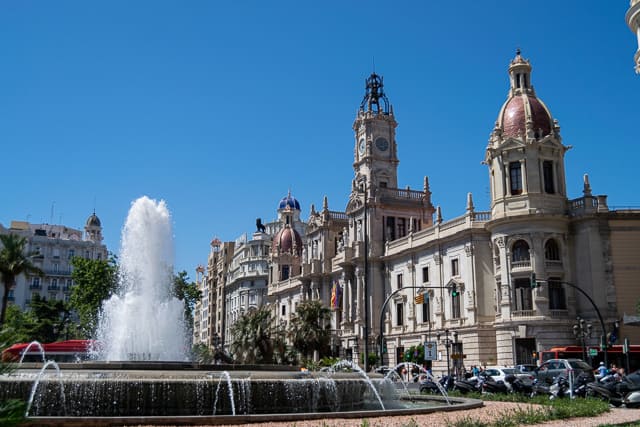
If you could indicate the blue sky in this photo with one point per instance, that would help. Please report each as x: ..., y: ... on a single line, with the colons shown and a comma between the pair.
x: 220, y: 108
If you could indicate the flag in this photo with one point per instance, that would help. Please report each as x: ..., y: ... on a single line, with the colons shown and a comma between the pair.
x: 335, y: 295
x: 419, y: 299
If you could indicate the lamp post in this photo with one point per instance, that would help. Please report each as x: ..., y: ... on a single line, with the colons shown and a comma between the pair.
x: 581, y: 331
x: 448, y: 342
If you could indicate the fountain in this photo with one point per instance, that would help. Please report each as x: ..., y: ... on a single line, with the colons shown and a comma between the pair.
x: 141, y: 375
x: 144, y: 321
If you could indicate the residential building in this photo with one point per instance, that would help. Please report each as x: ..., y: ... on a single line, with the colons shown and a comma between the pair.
x: 55, y: 245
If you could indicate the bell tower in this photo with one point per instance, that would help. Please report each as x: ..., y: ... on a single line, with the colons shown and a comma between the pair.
x: 525, y: 153
x: 375, y: 154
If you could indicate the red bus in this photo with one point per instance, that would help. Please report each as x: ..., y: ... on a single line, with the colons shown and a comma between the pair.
x: 63, y: 351
x: 593, y: 355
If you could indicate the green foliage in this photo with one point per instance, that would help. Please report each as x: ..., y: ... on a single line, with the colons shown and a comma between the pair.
x: 11, y: 411
x: 251, y: 337
x: 14, y: 261
x: 46, y: 321
x: 94, y: 281
x: 201, y: 353
x: 371, y: 361
x: 187, y: 292
x: 414, y: 354
x: 310, y: 328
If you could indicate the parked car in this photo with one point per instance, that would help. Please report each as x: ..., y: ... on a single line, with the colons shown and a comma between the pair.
x: 498, y: 373
x: 555, y: 367
x: 525, y: 369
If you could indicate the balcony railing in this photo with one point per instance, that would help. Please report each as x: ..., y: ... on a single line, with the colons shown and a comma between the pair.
x: 521, y: 264
x: 523, y: 313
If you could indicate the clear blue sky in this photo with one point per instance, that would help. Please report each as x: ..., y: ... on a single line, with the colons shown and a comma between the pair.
x: 220, y: 108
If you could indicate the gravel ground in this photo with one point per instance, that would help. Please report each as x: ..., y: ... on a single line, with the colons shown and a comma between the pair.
x: 489, y: 412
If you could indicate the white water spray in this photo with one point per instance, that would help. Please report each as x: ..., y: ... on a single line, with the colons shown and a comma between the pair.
x: 143, y: 321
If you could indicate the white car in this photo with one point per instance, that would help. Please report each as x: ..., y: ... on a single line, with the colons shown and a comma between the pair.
x: 499, y: 373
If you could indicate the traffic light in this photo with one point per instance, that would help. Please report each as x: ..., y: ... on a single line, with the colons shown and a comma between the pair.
x: 454, y: 290
x: 534, y: 282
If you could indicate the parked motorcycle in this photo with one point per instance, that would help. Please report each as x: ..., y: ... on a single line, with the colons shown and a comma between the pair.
x: 517, y: 385
x: 469, y: 385
x: 558, y: 388
x: 625, y: 391
x: 490, y: 385
x: 429, y: 386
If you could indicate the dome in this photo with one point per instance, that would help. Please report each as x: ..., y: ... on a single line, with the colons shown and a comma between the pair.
x: 93, y: 221
x: 287, y: 240
x: 289, y: 202
x: 523, y: 115
x: 520, y: 110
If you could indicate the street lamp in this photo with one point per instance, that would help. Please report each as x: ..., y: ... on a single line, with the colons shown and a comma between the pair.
x: 581, y: 332
x: 448, y: 342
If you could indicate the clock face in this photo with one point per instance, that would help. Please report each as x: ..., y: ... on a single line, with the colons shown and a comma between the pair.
x: 382, y: 144
x: 362, y: 145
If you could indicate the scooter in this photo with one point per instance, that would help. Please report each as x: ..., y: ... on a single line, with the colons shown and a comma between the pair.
x: 429, y: 386
x: 469, y: 385
x: 558, y: 388
x: 607, y: 388
x: 518, y: 386
x: 490, y: 386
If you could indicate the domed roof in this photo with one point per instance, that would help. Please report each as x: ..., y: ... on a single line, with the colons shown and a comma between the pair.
x: 523, y: 109
x: 93, y: 221
x: 287, y: 240
x: 523, y: 115
x: 289, y: 202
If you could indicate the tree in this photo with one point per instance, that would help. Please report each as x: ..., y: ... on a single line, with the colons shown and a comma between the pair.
x: 187, y: 292
x: 311, y: 328
x: 48, y: 320
x: 94, y: 280
x: 14, y: 261
x: 251, y: 337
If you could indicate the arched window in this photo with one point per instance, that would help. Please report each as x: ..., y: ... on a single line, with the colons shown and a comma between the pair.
x: 551, y: 251
x: 520, y: 251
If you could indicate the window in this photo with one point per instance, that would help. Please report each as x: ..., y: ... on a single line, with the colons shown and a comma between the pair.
x: 285, y: 272
x: 455, y: 267
x: 35, y: 283
x: 390, y: 228
x: 425, y: 274
x: 551, y: 251
x: 399, y: 314
x: 284, y: 310
x: 402, y: 228
x: 520, y: 251
x: 498, y: 296
x: 547, y: 173
x: 557, y: 298
x: 523, y: 298
x: 399, y: 281
x: 515, y: 178
x: 455, y: 306
x: 426, y: 310
x: 71, y: 253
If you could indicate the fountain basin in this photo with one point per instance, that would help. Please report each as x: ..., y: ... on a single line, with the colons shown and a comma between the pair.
x: 95, y: 393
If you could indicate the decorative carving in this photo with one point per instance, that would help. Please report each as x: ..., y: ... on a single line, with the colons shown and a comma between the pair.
x: 500, y: 242
x: 260, y: 226
x: 468, y: 249
x: 437, y: 258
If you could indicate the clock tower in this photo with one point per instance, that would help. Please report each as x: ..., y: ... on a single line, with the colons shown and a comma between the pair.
x: 375, y: 155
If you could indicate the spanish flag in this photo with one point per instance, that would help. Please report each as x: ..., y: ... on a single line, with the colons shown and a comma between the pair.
x: 335, y: 296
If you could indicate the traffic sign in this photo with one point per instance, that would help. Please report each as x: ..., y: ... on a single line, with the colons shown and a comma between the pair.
x: 458, y: 356
x: 430, y: 350
x: 593, y: 352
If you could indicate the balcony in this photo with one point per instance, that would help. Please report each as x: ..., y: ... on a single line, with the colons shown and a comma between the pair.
x: 521, y: 264
x: 523, y: 313
x: 53, y: 288
x: 35, y: 286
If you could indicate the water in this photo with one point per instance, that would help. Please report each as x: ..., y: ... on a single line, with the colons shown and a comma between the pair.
x: 26, y: 350
x: 34, y: 388
x: 143, y: 321
x: 225, y: 375
x: 355, y: 367
x: 409, y: 367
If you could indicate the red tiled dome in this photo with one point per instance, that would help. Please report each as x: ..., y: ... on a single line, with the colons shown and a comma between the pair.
x: 521, y: 108
x: 287, y: 240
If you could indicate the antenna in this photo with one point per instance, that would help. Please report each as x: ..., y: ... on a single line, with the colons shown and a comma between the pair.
x: 53, y: 204
x: 373, y: 64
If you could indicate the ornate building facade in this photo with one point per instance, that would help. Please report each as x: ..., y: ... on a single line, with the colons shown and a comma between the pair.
x: 55, y: 245
x: 495, y: 286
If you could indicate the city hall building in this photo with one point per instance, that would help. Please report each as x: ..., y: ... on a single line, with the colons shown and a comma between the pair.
x: 495, y: 286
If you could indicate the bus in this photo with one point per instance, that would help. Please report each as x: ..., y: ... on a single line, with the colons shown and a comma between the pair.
x: 593, y: 355
x: 63, y: 351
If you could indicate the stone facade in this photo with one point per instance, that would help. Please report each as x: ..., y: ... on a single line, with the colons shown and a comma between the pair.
x: 474, y: 272
x: 55, y: 245
x: 633, y: 21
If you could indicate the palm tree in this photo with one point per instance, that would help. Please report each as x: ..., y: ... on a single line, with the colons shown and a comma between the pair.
x: 311, y: 328
x: 14, y: 262
x: 252, y: 337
